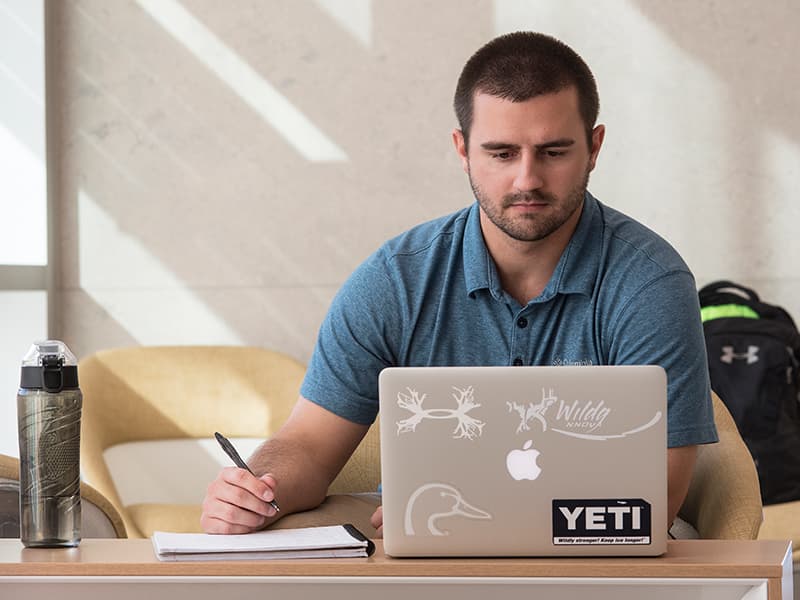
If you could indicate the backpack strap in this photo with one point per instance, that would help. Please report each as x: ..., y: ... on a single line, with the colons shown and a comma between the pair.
x: 736, y: 300
x: 727, y: 292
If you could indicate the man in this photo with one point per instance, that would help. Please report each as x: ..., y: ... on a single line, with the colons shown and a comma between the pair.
x: 537, y: 272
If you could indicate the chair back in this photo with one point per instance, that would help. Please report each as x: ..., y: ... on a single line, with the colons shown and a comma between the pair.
x: 154, y: 393
x: 724, y: 499
x: 362, y: 473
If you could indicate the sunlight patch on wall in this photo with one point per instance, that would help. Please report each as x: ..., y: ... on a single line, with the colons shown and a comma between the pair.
x: 250, y: 86
x: 22, y: 72
x: 23, y: 189
x: 13, y: 77
x: 776, y: 204
x: 782, y: 157
x: 136, y: 290
x: 354, y: 16
x: 23, y: 238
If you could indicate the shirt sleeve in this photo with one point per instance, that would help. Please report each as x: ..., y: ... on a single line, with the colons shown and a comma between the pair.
x: 660, y: 325
x: 356, y: 341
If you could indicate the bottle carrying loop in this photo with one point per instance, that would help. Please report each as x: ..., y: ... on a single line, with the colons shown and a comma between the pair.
x: 52, y: 375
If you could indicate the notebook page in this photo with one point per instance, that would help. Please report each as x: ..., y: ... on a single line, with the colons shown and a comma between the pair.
x: 271, y: 555
x: 306, y: 538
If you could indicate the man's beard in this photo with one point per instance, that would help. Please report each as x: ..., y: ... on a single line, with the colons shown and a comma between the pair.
x: 532, y: 227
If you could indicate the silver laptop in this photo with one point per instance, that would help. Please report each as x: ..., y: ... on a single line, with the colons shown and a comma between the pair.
x: 524, y: 461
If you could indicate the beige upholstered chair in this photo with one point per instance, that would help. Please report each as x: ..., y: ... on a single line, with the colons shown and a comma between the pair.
x: 724, y: 500
x: 99, y: 518
x: 149, y: 416
x: 135, y: 396
x: 782, y: 522
x: 362, y: 473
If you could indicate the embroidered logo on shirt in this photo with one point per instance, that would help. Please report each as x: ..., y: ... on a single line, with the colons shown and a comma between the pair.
x: 560, y: 361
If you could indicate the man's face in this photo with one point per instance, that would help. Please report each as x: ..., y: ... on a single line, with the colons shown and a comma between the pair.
x: 528, y: 163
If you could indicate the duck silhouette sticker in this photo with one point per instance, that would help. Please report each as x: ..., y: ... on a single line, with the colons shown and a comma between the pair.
x: 434, y: 506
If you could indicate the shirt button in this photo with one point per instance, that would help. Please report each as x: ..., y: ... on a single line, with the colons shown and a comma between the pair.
x: 522, y: 322
x: 518, y: 362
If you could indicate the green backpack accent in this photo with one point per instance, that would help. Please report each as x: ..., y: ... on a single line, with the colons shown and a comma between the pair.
x: 722, y: 311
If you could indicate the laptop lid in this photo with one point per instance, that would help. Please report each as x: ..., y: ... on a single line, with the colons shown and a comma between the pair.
x: 524, y: 461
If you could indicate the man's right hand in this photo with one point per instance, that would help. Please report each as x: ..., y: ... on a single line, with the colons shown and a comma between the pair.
x: 238, y: 502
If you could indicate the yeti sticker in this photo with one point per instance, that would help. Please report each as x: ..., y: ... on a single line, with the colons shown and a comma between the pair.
x: 601, y: 522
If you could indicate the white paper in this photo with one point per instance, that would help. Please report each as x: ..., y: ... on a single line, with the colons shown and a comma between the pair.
x: 272, y: 555
x: 306, y: 542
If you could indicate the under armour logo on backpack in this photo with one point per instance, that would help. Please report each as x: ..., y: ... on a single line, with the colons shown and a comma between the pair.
x: 728, y: 355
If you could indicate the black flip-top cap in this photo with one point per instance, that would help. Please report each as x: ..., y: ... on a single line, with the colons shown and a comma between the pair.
x: 52, y: 376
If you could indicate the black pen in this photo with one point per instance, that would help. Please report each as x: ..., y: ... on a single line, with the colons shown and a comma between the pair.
x: 231, y: 451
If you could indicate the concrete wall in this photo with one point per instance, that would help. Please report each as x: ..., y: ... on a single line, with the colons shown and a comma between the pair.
x: 220, y: 168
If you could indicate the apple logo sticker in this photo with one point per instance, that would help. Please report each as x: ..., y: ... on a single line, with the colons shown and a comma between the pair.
x: 521, y: 464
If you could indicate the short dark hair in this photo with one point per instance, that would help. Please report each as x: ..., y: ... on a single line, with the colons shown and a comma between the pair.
x: 520, y: 66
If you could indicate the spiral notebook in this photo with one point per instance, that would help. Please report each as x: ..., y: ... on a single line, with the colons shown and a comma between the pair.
x: 336, y: 541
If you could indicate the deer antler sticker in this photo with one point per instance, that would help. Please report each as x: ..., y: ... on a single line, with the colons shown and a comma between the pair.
x: 533, y: 411
x: 581, y: 418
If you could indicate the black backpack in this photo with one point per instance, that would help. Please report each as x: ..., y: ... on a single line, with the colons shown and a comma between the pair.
x: 753, y: 352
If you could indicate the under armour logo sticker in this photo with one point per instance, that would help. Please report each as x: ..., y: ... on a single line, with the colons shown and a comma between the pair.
x: 468, y: 427
x: 728, y: 355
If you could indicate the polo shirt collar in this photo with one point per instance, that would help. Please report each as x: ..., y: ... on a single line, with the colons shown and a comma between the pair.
x: 576, y: 269
x: 480, y: 272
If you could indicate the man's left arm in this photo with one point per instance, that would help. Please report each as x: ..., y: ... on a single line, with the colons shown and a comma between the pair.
x: 660, y: 325
x: 680, y: 466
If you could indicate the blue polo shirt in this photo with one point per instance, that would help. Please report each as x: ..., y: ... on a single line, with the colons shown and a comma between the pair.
x: 620, y: 295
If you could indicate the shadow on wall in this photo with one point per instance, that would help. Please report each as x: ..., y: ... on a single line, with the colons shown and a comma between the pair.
x: 751, y: 47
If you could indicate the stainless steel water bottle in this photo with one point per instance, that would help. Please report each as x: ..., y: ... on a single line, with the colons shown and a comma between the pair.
x: 49, y: 416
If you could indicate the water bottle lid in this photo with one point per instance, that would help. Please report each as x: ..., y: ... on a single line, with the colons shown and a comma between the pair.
x: 49, y: 366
